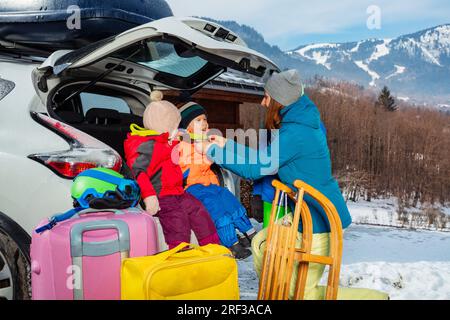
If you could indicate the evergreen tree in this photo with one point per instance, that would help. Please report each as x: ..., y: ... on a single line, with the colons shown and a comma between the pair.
x: 386, y: 100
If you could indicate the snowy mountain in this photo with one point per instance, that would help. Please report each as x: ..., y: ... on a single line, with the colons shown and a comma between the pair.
x: 416, y: 67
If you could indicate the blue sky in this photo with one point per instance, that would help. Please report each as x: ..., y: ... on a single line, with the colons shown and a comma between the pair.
x: 290, y: 23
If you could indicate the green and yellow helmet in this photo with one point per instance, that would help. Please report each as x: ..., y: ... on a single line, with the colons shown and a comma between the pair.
x: 102, y: 188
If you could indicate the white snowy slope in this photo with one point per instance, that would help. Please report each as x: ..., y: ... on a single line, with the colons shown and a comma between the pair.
x: 375, y: 76
x: 405, y: 264
x: 320, y: 57
x: 356, y: 48
x: 383, y: 212
x: 399, y: 70
x: 381, y: 50
x: 433, y: 44
x: 402, y: 281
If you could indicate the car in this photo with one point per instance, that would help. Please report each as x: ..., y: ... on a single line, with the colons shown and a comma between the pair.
x: 71, y: 112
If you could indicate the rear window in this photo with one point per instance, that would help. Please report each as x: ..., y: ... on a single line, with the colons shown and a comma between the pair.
x: 164, y: 57
x: 98, y: 101
x: 6, y: 87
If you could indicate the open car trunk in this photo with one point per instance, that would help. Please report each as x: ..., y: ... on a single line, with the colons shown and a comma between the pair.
x: 105, y: 113
x: 102, y: 88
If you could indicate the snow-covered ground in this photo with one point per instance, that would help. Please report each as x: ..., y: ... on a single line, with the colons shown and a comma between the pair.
x: 406, y: 264
x: 383, y: 212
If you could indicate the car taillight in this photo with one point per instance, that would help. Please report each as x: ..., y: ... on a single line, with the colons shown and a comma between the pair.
x: 84, y: 153
x: 70, y: 169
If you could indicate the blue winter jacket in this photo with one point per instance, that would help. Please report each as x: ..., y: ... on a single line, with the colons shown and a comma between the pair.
x: 303, y: 155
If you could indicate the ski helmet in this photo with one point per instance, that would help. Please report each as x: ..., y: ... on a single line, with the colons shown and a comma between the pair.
x: 102, y: 188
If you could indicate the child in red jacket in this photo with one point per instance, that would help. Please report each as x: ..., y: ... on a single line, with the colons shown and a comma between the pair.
x: 151, y: 156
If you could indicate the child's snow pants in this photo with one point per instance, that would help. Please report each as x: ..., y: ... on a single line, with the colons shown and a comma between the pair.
x: 180, y: 214
x: 320, y: 246
x: 225, y: 210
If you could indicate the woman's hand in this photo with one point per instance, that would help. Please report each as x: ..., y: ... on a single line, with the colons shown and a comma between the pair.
x: 218, y: 140
x: 152, y: 205
x: 202, y: 147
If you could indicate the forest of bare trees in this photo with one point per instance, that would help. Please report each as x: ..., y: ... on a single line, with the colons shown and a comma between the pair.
x: 378, y: 153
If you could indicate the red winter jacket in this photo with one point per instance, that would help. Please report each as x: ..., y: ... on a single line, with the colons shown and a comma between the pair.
x: 150, y: 160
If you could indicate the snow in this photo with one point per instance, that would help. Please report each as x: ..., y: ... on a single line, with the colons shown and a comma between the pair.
x: 405, y: 99
x: 383, y: 212
x: 413, y: 281
x: 364, y: 243
x: 321, y: 59
x: 436, y: 42
x: 232, y: 77
x: 399, y: 70
x: 429, y: 54
x: 310, y: 47
x: 318, y: 56
x: 381, y: 50
x: 375, y: 76
x: 404, y: 263
x: 356, y: 48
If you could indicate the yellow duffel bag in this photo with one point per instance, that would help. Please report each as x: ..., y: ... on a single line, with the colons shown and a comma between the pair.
x: 200, y: 273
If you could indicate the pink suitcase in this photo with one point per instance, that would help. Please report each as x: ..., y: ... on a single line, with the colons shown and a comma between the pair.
x: 80, y: 258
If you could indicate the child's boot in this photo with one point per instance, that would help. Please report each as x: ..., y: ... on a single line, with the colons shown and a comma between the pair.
x: 246, y: 240
x: 240, y: 252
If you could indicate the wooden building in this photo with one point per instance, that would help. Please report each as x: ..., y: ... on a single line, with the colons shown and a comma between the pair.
x: 231, y: 102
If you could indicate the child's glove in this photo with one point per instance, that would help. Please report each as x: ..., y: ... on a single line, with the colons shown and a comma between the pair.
x: 152, y: 205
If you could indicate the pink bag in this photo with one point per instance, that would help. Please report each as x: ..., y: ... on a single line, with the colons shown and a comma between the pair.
x: 80, y: 258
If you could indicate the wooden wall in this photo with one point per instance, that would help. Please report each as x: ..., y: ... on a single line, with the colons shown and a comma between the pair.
x: 226, y: 110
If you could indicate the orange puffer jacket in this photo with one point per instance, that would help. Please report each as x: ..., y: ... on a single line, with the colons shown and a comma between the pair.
x: 198, y: 164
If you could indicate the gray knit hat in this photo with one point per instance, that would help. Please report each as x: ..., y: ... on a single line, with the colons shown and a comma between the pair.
x: 285, y: 87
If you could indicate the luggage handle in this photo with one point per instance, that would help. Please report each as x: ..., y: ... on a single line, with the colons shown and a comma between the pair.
x: 78, y: 248
x: 95, y: 249
x: 167, y: 254
x: 90, y: 211
x: 117, y: 212
x: 76, y: 212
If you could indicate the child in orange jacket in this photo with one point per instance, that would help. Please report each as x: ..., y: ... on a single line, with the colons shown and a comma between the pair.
x: 225, y: 210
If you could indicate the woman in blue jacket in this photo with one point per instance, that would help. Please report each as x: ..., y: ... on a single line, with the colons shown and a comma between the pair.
x: 299, y: 151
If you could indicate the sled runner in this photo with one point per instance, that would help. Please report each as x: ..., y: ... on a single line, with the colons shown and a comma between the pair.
x: 281, y: 252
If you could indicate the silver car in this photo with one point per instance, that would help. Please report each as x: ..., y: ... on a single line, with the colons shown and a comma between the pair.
x: 72, y: 111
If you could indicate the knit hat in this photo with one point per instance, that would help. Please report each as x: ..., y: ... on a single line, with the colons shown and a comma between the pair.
x: 161, y: 115
x: 189, y: 112
x: 285, y: 87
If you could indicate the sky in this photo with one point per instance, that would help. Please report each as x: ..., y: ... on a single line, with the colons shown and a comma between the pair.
x: 291, y: 23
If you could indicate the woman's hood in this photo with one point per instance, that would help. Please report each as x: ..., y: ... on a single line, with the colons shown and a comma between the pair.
x: 303, y: 112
